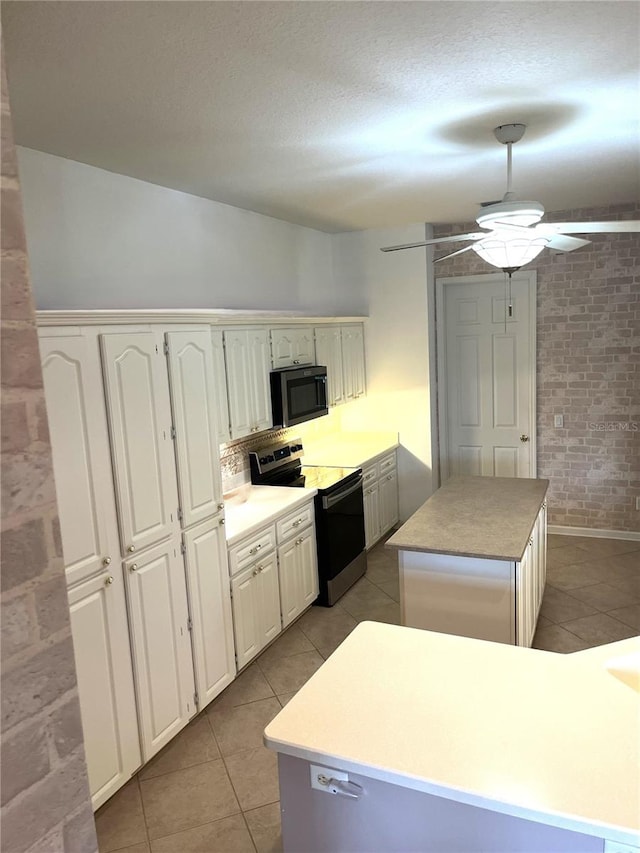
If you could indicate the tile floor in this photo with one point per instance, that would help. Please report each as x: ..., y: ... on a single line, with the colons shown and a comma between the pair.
x: 214, y: 788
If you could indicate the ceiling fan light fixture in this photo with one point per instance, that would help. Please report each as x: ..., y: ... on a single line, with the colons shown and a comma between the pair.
x: 509, y: 251
x: 524, y: 213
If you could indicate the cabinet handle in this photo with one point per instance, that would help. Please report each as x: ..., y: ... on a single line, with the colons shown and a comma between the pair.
x: 260, y: 568
x: 221, y: 521
x: 108, y: 580
x: 106, y: 561
x: 390, y: 477
x: 255, y: 550
x: 221, y: 506
x: 131, y: 549
x: 254, y: 573
x: 299, y: 541
x: 134, y: 567
x: 297, y: 523
x: 296, y: 361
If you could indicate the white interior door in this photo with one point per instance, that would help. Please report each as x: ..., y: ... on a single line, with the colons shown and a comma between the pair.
x: 80, y: 449
x: 140, y: 423
x: 486, y: 376
x: 194, y: 406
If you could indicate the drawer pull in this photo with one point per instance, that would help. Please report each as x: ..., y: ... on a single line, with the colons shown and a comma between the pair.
x: 108, y: 580
x: 254, y: 573
x: 134, y: 567
x: 297, y: 523
x: 299, y: 541
x: 255, y: 549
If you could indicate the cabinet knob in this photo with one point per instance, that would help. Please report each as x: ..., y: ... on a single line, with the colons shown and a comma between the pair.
x: 259, y: 568
x: 299, y: 541
x: 524, y: 438
x: 221, y: 506
x: 255, y: 549
x: 297, y: 522
x: 254, y: 573
x: 131, y: 549
x: 222, y: 521
x: 106, y: 561
x: 108, y: 580
x: 134, y: 567
x: 389, y: 477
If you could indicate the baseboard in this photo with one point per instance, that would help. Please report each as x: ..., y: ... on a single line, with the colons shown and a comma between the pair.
x: 594, y: 531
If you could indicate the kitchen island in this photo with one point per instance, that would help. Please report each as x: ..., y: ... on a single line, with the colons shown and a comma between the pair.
x: 472, y: 559
x: 451, y: 744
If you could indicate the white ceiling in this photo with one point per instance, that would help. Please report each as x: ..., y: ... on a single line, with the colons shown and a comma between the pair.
x: 337, y: 115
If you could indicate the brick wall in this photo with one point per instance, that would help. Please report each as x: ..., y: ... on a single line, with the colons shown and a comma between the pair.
x: 588, y: 366
x: 45, y: 804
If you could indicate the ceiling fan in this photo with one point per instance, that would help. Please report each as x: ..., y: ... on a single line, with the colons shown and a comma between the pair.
x: 513, y: 234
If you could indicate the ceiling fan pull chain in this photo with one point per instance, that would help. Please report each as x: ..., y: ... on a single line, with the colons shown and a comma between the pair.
x: 510, y: 298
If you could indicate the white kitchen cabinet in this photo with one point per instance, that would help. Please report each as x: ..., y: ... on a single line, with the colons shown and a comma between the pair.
x: 248, y: 363
x: 353, y: 361
x: 292, y: 347
x: 163, y: 662
x: 329, y: 353
x: 372, y: 515
x: 139, y: 415
x: 256, y: 607
x: 220, y: 385
x: 388, y: 491
x: 194, y: 404
x: 210, y: 607
x: 80, y: 450
x: 298, y: 575
x: 105, y: 682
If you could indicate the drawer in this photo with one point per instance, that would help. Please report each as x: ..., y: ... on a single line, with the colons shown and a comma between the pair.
x: 295, y: 521
x: 242, y: 555
x: 387, y: 463
x: 370, y: 474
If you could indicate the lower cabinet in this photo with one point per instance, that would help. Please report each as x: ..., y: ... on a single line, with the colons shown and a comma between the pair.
x: 372, y: 529
x: 105, y: 683
x: 256, y: 607
x: 210, y: 604
x: 161, y: 644
x: 380, y: 488
x: 530, y: 577
x: 298, y: 566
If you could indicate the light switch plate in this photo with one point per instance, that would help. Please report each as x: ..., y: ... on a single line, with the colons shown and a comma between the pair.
x: 558, y: 420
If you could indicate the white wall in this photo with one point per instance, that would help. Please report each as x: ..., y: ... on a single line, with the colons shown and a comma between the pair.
x: 101, y: 240
x: 398, y: 293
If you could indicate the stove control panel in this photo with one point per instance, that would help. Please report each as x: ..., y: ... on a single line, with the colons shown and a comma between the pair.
x: 274, y: 456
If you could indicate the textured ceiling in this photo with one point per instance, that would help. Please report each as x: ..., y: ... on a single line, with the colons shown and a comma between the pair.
x: 338, y: 115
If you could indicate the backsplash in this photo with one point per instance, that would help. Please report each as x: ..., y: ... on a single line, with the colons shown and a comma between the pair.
x: 234, y: 456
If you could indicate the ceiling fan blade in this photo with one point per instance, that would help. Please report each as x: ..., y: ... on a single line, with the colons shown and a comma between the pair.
x: 453, y: 254
x: 476, y: 235
x: 620, y: 227
x: 564, y: 243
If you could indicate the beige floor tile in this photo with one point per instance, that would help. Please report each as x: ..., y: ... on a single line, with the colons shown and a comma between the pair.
x: 555, y: 638
x: 194, y: 745
x: 558, y: 606
x: 265, y: 829
x: 136, y: 848
x: 289, y: 674
x: 327, y: 627
x: 382, y: 571
x: 630, y: 587
x: 362, y: 596
x: 389, y: 613
x: 229, y: 835
x: 599, y: 629
x: 241, y: 728
x: 249, y: 686
x: 629, y: 615
x: 602, y: 596
x: 187, y: 798
x: 391, y: 588
x: 606, y: 547
x: 577, y: 575
x: 254, y: 775
x: 286, y: 697
x: 291, y: 642
x: 565, y: 556
x: 120, y: 822
x: 556, y: 540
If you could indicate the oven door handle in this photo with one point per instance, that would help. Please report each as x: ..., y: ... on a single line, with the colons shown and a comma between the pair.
x: 336, y: 497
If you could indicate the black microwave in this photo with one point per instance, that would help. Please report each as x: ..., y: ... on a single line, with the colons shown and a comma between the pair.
x: 298, y: 394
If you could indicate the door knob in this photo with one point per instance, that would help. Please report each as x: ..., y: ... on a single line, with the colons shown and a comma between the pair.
x: 524, y: 438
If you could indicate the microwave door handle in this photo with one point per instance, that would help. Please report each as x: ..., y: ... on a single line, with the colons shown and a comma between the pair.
x: 332, y: 500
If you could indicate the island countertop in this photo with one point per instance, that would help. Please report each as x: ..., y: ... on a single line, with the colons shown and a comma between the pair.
x: 490, y: 517
x: 541, y: 736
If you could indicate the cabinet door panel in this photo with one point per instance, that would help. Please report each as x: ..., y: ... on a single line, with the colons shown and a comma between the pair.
x: 140, y: 424
x: 105, y: 683
x: 388, y: 488
x: 212, y: 625
x: 305, y: 349
x: 220, y: 387
x: 283, y: 347
x: 161, y: 644
x: 269, y: 598
x: 259, y: 366
x: 238, y: 382
x: 80, y: 450
x: 329, y: 353
x: 308, y: 569
x: 371, y: 515
x: 194, y: 405
x: 289, y: 580
x: 246, y: 617
x: 353, y: 361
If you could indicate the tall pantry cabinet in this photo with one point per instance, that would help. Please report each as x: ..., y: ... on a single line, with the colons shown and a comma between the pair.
x: 150, y: 613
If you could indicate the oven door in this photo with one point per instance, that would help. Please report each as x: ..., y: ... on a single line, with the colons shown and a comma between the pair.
x: 340, y: 533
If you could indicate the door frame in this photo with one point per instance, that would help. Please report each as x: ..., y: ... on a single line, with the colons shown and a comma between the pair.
x: 528, y: 277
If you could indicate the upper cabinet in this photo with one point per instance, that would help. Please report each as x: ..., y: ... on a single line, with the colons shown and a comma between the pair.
x: 353, y: 361
x: 223, y: 430
x: 341, y: 349
x: 194, y: 406
x: 292, y: 347
x: 248, y: 363
x: 329, y: 353
x: 139, y: 415
x: 80, y: 449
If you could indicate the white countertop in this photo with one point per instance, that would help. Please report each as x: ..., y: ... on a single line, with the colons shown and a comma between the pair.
x: 251, y: 507
x: 542, y: 736
x: 350, y: 449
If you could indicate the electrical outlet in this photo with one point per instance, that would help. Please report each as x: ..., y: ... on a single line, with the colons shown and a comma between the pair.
x: 320, y: 776
x: 638, y: 503
x: 558, y: 421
